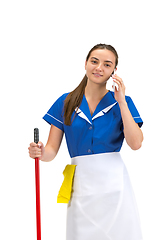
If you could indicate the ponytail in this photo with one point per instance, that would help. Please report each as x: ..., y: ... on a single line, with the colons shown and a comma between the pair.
x: 73, y: 100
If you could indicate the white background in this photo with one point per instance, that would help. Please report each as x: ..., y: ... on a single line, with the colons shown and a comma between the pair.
x: 43, y: 46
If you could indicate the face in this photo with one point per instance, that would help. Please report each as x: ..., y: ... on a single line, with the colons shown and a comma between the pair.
x: 100, y: 66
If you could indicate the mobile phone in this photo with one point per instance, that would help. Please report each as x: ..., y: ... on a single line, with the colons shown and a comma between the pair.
x: 115, y: 85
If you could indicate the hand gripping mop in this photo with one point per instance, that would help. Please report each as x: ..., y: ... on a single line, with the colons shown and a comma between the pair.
x: 37, y: 182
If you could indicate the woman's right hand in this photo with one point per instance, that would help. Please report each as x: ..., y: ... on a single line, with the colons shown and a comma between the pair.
x: 36, y: 150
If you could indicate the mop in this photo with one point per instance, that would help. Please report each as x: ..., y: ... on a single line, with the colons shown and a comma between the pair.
x: 37, y: 182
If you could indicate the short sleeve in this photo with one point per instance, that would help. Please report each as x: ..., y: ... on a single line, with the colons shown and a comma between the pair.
x: 55, y: 113
x: 135, y: 114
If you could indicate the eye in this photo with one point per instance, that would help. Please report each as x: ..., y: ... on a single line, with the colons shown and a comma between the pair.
x: 94, y: 61
x: 106, y: 65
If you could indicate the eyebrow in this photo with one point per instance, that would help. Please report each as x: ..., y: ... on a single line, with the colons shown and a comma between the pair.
x: 104, y: 61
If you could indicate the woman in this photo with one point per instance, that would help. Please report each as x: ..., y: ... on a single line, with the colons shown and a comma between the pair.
x: 95, y: 122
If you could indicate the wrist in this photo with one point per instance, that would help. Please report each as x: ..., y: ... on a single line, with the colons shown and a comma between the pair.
x: 122, y: 103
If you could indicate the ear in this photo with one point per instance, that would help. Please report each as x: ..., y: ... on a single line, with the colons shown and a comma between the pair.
x: 85, y: 64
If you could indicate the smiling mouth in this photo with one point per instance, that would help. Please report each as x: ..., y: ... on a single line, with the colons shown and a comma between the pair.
x: 97, y: 75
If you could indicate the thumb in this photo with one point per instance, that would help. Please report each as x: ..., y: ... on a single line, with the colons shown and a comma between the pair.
x: 40, y: 144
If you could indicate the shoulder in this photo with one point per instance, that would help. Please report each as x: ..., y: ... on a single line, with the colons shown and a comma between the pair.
x: 58, y: 103
x: 128, y: 99
x: 63, y: 97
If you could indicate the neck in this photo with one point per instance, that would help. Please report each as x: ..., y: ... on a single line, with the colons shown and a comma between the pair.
x: 95, y: 91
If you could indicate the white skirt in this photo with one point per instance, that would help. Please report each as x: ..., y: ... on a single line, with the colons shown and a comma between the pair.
x: 102, y: 204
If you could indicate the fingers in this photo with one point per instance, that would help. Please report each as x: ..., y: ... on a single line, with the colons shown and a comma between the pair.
x: 35, y: 150
x: 119, y: 81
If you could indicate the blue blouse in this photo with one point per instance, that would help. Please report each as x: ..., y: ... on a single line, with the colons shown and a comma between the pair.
x: 100, y: 133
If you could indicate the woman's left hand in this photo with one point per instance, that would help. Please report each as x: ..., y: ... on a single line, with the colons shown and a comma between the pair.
x: 120, y: 93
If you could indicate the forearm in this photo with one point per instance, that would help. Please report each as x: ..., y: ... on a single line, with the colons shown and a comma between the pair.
x: 48, y: 154
x: 53, y: 144
x: 132, y: 132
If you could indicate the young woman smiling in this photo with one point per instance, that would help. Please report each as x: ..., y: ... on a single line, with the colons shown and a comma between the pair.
x: 95, y: 122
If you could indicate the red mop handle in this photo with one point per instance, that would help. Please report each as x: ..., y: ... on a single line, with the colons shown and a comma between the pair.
x: 37, y: 181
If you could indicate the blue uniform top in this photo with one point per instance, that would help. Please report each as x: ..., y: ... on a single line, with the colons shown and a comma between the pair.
x: 100, y: 133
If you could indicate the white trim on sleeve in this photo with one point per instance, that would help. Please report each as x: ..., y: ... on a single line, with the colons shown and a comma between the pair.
x: 137, y: 117
x: 54, y: 118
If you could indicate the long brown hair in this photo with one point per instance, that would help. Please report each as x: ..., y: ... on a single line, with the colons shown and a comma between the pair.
x: 74, y: 98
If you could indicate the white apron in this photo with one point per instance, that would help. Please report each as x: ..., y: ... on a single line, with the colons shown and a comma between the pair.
x: 102, y: 205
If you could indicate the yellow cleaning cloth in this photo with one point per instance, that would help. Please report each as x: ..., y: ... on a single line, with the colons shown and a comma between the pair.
x: 65, y: 191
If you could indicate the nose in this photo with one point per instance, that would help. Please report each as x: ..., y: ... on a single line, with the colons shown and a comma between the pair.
x: 99, y: 67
